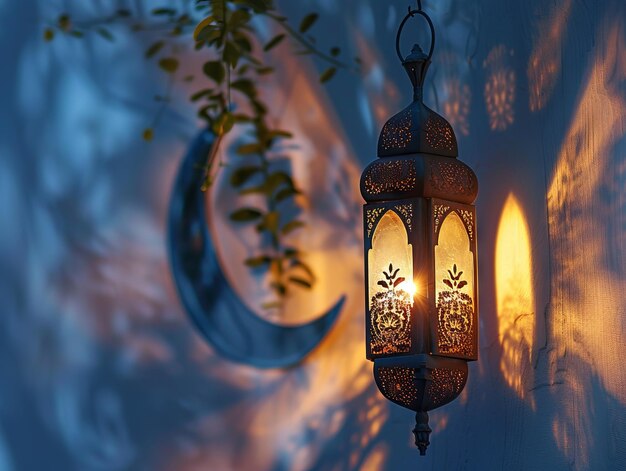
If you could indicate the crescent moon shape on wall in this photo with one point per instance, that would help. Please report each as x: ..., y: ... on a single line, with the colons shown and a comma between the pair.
x: 226, y: 322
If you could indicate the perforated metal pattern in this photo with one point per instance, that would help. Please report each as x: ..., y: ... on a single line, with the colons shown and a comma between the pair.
x: 371, y: 216
x: 468, y: 219
x: 406, y: 210
x: 451, y: 177
x: 439, y: 211
x: 398, y: 384
x: 439, y: 134
x: 446, y: 384
x: 390, y: 176
x: 396, y: 133
x: 455, y: 318
x: 390, y: 326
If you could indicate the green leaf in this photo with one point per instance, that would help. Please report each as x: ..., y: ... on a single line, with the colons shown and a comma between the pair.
x: 202, y: 93
x: 245, y: 215
x: 279, y: 133
x: 275, y: 41
x: 307, y: 22
x: 242, y: 118
x: 280, y: 288
x: 224, y: 124
x: 264, y: 70
x: 154, y: 48
x: 245, y: 86
x: 184, y: 19
x: 304, y: 267
x: 169, y: 64
x: 248, y: 149
x: 259, y: 108
x: 199, y: 31
x: 291, y: 252
x: 237, y: 19
x: 244, y: 43
x: 76, y: 33
x: 204, y: 112
x: 255, y: 262
x: 231, y: 54
x: 48, y: 34
x: 328, y: 74
x: 163, y: 11
x: 335, y: 51
x: 270, y: 222
x: 275, y: 179
x: 291, y: 226
x: 214, y: 70
x: 243, y: 174
x: 105, y: 33
x: 218, y: 9
x: 148, y: 134
x: 64, y: 22
x: 259, y: 6
x: 252, y: 190
x: 300, y: 281
x: 286, y: 193
x: 271, y: 305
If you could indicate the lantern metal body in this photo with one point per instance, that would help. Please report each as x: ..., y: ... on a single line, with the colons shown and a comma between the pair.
x: 420, y: 256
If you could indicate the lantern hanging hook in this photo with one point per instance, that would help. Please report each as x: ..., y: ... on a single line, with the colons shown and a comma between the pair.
x: 411, y: 13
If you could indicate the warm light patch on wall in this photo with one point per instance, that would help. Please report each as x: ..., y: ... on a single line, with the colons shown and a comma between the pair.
x: 587, y: 324
x: 515, y: 296
x: 544, y: 64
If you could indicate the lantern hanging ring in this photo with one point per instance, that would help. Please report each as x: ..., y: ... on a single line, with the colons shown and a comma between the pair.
x: 411, y: 14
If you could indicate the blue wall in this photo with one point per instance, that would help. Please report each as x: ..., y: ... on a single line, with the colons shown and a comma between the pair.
x: 100, y: 367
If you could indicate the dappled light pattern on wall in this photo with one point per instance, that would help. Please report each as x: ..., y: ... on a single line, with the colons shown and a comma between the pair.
x: 456, y: 105
x: 500, y: 88
x: 544, y: 64
x: 586, y: 213
x: 515, y: 297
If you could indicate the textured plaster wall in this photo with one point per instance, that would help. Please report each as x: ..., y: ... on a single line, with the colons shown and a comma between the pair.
x: 100, y: 367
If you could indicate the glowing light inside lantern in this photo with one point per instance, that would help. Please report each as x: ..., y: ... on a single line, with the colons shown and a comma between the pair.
x: 390, y: 286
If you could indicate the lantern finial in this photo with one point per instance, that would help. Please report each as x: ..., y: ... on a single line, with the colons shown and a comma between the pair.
x: 422, y: 432
x: 416, y: 65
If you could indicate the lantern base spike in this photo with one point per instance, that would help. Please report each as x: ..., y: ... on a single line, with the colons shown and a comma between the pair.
x: 422, y: 432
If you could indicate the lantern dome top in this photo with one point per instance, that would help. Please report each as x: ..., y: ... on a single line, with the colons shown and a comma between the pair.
x: 417, y: 129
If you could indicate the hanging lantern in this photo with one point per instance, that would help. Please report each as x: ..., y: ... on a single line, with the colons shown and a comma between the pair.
x: 420, y: 255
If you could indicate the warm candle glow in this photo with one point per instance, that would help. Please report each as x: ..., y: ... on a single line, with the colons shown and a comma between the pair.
x: 410, y: 287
